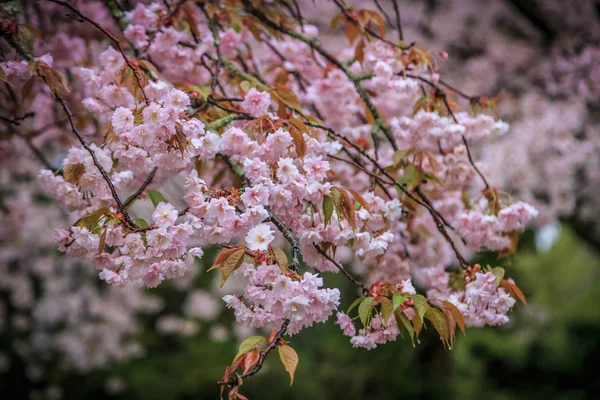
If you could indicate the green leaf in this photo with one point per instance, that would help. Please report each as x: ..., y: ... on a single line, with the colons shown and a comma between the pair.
x: 401, y: 318
x: 399, y: 156
x: 92, y: 218
x: 499, y: 274
x: 439, y: 323
x: 248, y: 344
x: 156, y: 197
x: 386, y: 309
x: 355, y: 303
x: 364, y: 310
x: 327, y: 209
x: 289, y: 358
x: 141, y: 222
x: 397, y: 300
x: 336, y: 196
x: 421, y: 305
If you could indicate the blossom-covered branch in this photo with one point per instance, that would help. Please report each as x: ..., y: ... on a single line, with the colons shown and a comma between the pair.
x: 270, y: 157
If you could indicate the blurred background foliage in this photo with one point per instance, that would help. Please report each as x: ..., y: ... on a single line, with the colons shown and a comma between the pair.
x: 547, y: 351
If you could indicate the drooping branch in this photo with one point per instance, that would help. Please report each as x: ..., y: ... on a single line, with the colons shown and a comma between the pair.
x: 113, y: 39
x: 314, y: 44
x: 232, y: 382
x: 141, y: 189
x: 341, y: 268
x: 438, y: 222
x: 37, y: 152
x: 439, y: 92
x: 84, y: 143
x: 290, y: 237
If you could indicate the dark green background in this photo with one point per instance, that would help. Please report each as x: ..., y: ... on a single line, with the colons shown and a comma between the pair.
x: 548, y: 351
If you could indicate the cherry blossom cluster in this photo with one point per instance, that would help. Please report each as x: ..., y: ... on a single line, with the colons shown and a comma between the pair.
x: 483, y: 302
x: 282, y: 178
x: 358, y: 161
x: 271, y: 297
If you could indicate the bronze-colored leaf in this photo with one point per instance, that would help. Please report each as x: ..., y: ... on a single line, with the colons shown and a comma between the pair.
x: 347, y: 207
x: 299, y: 142
x: 102, y: 241
x: 458, y: 317
x: 287, y: 95
x: 352, y: 32
x: 513, y: 290
x: 289, y: 358
x: 359, y: 51
x: 222, y: 256
x: 280, y: 258
x: 360, y: 199
x: 26, y: 89
x: 73, y: 172
x: 232, y: 263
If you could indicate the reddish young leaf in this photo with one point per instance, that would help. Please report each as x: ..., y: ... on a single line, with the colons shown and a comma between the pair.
x: 250, y: 359
x: 360, y: 199
x: 513, y: 290
x: 458, y: 317
x: 352, y: 32
x: 299, y: 142
x: 359, y: 51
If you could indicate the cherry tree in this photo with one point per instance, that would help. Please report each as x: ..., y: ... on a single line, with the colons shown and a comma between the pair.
x: 164, y: 128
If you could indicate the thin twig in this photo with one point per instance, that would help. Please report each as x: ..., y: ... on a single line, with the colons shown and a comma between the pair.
x: 232, y: 382
x: 342, y: 269
x: 314, y: 44
x: 290, y: 237
x: 112, y: 39
x: 438, y: 222
x: 141, y: 188
x: 85, y: 144
x: 37, y: 152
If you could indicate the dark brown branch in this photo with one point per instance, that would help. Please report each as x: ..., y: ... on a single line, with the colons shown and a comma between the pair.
x: 141, y: 188
x: 438, y: 222
x: 368, y: 30
x: 232, y: 382
x: 17, y: 120
x: 341, y: 268
x: 37, y: 152
x: 105, y: 176
x: 439, y: 92
x: 314, y: 44
x: 290, y: 237
x: 398, y: 19
x: 112, y: 39
x: 376, y: 179
x: 217, y: 42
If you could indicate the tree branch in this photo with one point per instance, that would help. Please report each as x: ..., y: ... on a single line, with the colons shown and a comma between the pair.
x: 232, y: 382
x: 112, y: 39
x: 341, y: 269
